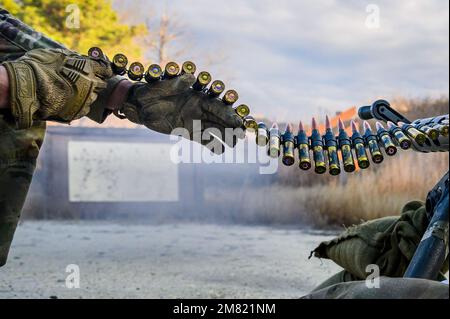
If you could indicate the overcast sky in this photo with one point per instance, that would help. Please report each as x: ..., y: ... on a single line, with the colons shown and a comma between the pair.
x: 290, y: 59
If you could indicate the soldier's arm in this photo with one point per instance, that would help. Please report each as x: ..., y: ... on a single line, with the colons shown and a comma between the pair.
x: 4, y: 89
x: 161, y: 106
x: 17, y: 38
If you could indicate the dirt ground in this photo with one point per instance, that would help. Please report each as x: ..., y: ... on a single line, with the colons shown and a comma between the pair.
x: 162, y: 261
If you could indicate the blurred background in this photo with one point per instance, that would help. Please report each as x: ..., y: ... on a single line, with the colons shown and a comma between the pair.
x: 289, y: 60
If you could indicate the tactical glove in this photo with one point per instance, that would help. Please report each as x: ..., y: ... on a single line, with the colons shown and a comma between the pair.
x: 170, y: 104
x: 57, y: 85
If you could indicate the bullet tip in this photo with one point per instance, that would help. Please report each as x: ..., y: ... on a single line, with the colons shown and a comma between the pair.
x: 300, y: 126
x: 289, y: 127
x: 354, y: 126
x: 275, y: 126
x: 341, y: 125
x: 379, y: 126
x: 314, y: 124
x: 367, y: 125
x: 327, y: 123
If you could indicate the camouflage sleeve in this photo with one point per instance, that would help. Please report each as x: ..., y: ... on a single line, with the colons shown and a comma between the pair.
x: 17, y: 38
x: 8, y: 50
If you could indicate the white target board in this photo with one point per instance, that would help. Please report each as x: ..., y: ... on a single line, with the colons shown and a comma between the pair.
x: 121, y: 172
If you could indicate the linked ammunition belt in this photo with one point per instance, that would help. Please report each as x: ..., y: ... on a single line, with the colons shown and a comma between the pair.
x: 329, y: 151
x: 348, y: 151
x: 204, y: 83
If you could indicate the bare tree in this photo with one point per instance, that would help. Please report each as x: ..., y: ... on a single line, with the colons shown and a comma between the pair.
x: 165, y: 39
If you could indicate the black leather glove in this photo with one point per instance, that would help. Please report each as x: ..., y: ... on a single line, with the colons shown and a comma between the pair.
x: 170, y: 104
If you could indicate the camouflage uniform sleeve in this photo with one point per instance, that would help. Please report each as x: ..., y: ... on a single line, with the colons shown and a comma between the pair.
x: 17, y: 38
x: 19, y: 149
x: 8, y: 50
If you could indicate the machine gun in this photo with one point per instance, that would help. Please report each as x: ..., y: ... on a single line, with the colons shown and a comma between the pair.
x: 382, y: 111
x: 433, y: 249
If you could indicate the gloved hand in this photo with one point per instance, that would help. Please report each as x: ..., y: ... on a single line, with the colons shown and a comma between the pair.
x: 57, y: 85
x: 170, y: 104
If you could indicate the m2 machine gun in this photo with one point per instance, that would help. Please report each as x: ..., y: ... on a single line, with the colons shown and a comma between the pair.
x: 433, y: 249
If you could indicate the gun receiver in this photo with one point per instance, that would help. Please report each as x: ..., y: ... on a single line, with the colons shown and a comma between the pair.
x: 381, y: 110
x: 432, y: 250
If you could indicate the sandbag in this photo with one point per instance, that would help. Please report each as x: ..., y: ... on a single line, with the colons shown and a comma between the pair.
x: 388, y: 242
x: 340, y: 277
x: 390, y: 288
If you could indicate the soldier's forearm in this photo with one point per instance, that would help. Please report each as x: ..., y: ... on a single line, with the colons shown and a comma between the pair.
x: 4, y: 88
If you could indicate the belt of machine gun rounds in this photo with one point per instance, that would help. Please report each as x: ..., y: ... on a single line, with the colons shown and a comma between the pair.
x: 204, y: 83
x: 327, y: 150
x: 330, y: 150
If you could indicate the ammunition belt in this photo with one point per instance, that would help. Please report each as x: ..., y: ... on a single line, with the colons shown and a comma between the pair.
x: 354, y: 150
x: 154, y: 73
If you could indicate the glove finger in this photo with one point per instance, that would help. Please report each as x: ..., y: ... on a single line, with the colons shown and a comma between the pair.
x: 102, y: 69
x: 215, y: 108
x: 239, y: 131
x: 176, y: 86
x: 180, y: 84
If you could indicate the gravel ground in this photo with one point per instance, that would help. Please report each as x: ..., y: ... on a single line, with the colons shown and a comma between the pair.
x: 162, y: 261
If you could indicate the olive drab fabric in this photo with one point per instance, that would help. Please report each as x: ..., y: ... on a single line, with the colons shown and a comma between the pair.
x: 18, y: 148
x: 388, y: 242
x: 18, y: 153
x: 54, y: 84
x: 17, y: 38
x: 340, y: 277
x: 389, y: 288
